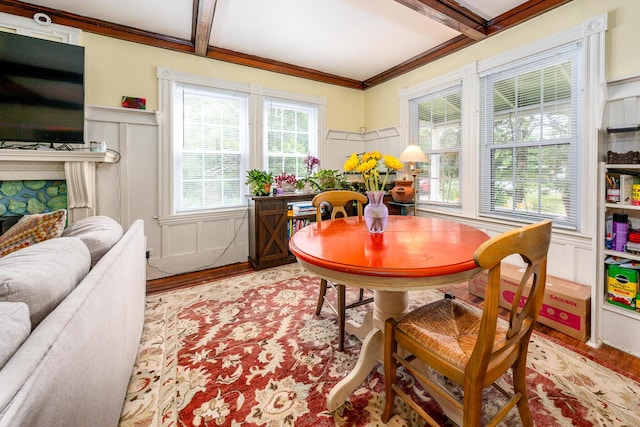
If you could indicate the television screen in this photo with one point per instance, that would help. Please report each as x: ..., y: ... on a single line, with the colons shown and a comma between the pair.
x: 41, y: 90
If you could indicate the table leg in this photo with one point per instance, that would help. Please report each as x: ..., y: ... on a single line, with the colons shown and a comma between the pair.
x: 360, y: 330
x: 386, y: 304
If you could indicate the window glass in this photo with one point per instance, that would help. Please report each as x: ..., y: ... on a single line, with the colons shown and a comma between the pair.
x: 436, y: 122
x: 529, y: 138
x: 291, y: 133
x: 210, y: 137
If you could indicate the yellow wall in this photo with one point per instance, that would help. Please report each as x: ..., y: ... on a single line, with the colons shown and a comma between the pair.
x: 115, y: 68
x: 382, y: 107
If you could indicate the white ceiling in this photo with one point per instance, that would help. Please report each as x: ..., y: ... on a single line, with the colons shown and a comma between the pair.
x: 352, y: 39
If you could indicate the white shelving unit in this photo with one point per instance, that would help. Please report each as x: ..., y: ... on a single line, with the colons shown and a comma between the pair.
x: 614, y: 323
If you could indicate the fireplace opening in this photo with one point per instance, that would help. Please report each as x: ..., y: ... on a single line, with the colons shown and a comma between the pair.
x: 27, y: 197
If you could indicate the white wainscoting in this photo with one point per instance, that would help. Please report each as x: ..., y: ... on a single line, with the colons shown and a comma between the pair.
x: 129, y: 190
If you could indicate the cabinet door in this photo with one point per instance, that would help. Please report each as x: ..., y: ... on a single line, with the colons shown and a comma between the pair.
x: 271, y: 227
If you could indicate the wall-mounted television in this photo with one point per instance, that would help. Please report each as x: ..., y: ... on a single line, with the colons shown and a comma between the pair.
x: 41, y: 90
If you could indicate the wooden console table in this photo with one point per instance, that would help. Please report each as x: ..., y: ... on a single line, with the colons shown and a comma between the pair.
x: 269, y: 229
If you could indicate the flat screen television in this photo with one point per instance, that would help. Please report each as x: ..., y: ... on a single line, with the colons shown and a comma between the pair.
x: 41, y: 90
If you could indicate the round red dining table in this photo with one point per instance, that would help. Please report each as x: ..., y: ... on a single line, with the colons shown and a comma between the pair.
x: 413, y: 253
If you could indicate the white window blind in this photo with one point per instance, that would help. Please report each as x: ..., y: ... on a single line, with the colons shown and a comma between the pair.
x: 210, y: 136
x: 530, y: 134
x: 436, y: 122
x: 291, y: 133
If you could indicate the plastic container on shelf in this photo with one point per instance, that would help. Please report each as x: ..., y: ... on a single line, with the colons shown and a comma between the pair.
x: 620, y: 231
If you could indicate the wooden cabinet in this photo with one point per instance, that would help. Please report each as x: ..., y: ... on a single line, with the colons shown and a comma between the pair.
x: 270, y: 226
x: 269, y: 229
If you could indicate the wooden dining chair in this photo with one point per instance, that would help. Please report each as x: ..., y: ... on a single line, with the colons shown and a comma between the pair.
x: 336, y: 200
x: 469, y: 346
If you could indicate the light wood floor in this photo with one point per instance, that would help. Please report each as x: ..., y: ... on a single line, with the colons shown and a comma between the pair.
x: 605, y: 354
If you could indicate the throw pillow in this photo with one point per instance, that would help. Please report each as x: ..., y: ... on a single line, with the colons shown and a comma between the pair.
x: 15, y: 327
x: 99, y: 233
x: 43, y: 275
x: 32, y: 229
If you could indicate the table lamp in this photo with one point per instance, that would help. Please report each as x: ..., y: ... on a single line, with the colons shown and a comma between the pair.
x: 414, y: 154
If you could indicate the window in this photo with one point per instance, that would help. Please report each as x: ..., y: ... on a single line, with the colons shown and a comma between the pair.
x: 210, y: 136
x: 290, y: 130
x: 436, y: 121
x: 213, y: 131
x: 530, y: 137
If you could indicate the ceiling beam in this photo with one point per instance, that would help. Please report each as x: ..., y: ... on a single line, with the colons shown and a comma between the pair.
x: 522, y: 13
x: 459, y: 19
x: 203, y: 25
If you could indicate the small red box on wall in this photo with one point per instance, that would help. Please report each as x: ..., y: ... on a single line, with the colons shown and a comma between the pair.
x: 132, y: 102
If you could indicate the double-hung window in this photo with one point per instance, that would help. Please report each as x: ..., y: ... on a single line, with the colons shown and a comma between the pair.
x: 436, y: 122
x: 291, y: 133
x: 530, y: 133
x: 213, y: 131
x: 210, y: 135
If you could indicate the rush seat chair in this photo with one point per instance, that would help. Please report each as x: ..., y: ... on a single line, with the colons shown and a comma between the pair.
x: 469, y: 346
x: 337, y: 200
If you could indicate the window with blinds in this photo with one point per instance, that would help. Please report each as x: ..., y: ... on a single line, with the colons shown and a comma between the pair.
x: 436, y: 126
x: 210, y: 136
x: 291, y: 133
x: 530, y: 136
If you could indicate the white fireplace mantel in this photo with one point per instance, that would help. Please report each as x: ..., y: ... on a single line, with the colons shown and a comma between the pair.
x: 78, y: 168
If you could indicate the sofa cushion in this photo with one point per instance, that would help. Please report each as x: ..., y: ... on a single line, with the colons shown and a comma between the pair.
x: 43, y: 275
x: 32, y: 229
x: 15, y: 327
x: 99, y: 233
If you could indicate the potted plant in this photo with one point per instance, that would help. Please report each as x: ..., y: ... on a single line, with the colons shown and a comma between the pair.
x: 260, y: 182
x: 286, y: 182
x: 329, y: 179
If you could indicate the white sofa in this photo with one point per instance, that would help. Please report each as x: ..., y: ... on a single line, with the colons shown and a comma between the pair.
x: 74, y: 366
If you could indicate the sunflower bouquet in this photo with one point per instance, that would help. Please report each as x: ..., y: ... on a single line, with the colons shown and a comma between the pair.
x: 368, y: 165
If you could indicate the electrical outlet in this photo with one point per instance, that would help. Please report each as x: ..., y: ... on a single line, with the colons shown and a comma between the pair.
x: 149, y: 253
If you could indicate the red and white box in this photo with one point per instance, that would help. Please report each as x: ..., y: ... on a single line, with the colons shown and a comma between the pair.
x: 566, y: 306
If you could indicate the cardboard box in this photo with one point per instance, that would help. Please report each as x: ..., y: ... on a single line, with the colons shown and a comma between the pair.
x: 566, y: 306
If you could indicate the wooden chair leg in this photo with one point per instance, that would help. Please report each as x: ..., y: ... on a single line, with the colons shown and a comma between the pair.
x: 390, y: 368
x: 520, y: 386
x: 472, y: 413
x: 323, y: 292
x: 341, y: 315
x: 361, y: 295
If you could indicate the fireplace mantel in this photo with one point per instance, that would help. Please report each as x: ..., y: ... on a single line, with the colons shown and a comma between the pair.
x: 78, y: 168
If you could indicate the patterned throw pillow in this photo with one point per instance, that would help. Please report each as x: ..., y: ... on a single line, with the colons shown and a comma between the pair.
x: 32, y: 229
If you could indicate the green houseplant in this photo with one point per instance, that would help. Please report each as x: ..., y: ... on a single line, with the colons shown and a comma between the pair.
x: 260, y: 182
x: 329, y: 179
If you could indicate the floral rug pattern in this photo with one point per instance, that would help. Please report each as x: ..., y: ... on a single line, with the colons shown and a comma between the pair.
x: 248, y: 350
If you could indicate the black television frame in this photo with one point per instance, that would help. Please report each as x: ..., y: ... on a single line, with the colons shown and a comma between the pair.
x: 41, y: 91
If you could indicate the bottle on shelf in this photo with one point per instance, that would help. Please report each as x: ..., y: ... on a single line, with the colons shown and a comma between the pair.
x: 620, y: 231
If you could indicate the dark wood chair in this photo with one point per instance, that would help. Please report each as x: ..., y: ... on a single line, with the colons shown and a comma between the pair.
x: 468, y: 346
x: 335, y: 201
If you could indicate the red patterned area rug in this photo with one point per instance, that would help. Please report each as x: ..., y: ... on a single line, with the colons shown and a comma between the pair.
x: 248, y: 350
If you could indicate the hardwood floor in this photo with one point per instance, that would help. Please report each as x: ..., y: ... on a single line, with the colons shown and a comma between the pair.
x: 605, y: 354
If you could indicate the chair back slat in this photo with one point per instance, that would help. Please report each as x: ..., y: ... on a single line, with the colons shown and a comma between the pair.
x: 532, y: 244
x: 338, y: 200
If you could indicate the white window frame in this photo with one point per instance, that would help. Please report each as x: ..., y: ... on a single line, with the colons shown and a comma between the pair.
x: 435, y: 176
x: 178, y: 146
x: 314, y: 136
x: 255, y: 149
x: 591, y: 34
x: 566, y: 53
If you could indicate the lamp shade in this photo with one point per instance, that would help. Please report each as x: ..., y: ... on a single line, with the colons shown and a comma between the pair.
x: 414, y: 154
